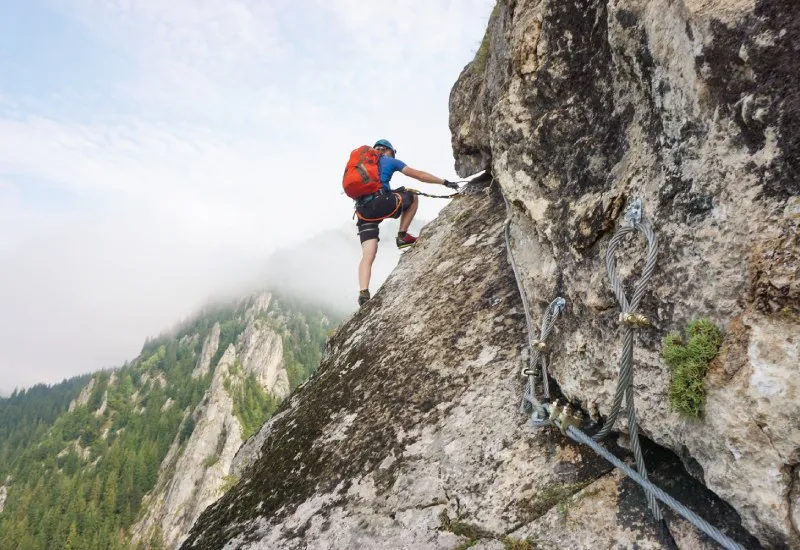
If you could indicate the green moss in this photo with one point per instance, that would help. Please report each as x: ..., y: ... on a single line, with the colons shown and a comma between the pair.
x: 457, y: 526
x: 479, y: 63
x: 563, y: 509
x: 460, y: 217
x: 519, y: 544
x: 688, y: 361
x: 210, y: 460
x: 228, y: 482
x: 551, y: 496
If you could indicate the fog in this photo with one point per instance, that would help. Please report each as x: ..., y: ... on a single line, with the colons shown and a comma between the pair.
x: 95, y: 305
x: 155, y: 156
x: 323, y: 269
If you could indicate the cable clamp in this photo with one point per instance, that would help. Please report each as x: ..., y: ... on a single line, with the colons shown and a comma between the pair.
x: 634, y: 320
x: 540, y: 345
x: 563, y: 417
x: 526, y: 371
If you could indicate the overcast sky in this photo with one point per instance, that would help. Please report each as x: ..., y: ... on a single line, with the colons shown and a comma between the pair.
x: 154, y: 153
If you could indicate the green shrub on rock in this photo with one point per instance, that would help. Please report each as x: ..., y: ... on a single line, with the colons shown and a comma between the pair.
x: 688, y: 363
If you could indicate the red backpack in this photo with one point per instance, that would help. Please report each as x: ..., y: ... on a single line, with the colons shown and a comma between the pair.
x: 361, y: 173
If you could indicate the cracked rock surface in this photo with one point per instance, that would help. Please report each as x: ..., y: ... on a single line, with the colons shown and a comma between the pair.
x: 693, y: 107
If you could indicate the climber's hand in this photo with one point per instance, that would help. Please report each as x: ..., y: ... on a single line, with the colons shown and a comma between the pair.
x: 450, y: 184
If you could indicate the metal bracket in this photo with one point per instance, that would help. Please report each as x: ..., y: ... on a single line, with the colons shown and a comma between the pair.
x: 540, y: 416
x: 567, y: 420
x: 554, y: 411
x: 634, y: 214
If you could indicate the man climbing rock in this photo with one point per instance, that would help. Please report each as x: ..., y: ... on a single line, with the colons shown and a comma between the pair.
x: 367, y: 178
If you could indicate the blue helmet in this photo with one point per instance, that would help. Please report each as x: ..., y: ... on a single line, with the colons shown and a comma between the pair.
x: 385, y: 143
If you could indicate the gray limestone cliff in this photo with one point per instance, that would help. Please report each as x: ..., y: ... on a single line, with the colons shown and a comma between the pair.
x: 210, y: 346
x: 196, y: 473
x: 410, y: 435
x: 693, y: 107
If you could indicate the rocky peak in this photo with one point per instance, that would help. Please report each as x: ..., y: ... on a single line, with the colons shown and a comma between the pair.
x: 210, y: 346
x: 196, y: 473
x: 261, y: 303
x: 262, y: 354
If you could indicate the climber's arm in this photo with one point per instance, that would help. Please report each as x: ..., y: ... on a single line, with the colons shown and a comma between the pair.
x: 421, y: 176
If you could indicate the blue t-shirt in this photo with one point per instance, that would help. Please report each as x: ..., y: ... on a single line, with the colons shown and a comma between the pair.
x: 387, y: 166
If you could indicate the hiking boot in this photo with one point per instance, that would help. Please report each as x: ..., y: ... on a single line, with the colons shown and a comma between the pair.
x: 363, y: 297
x: 405, y: 240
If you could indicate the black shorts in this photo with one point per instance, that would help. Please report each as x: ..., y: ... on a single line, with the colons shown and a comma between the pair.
x: 390, y: 205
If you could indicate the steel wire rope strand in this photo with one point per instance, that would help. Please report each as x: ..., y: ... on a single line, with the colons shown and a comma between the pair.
x: 548, y: 321
x: 529, y: 394
x: 724, y: 541
x: 625, y: 379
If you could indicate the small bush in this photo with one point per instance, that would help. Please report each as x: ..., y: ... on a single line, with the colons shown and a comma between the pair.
x: 688, y: 363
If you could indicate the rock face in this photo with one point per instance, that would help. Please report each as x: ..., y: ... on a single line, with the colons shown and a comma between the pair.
x: 197, y: 474
x: 693, y: 107
x: 263, y: 355
x: 210, y: 347
x: 200, y: 468
x: 260, y: 305
x: 83, y: 397
x: 414, y: 439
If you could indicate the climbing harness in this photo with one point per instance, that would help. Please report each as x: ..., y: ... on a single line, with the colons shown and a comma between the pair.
x: 398, y: 204
x: 569, y: 423
x: 399, y: 201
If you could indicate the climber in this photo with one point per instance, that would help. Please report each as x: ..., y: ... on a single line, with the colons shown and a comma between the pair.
x: 376, y: 206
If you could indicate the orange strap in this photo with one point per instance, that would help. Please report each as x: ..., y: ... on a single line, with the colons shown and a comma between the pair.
x: 399, y: 201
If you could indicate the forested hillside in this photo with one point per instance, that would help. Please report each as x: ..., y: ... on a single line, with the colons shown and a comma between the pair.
x: 78, y: 458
